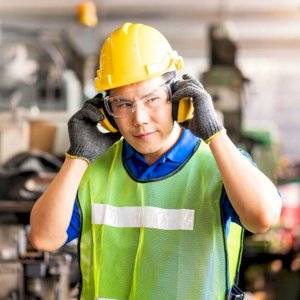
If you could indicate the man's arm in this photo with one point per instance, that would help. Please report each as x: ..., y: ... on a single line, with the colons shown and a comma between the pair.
x: 253, y: 196
x: 51, y: 214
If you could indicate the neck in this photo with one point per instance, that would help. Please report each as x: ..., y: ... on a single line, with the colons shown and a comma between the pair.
x: 170, y: 142
x: 175, y: 135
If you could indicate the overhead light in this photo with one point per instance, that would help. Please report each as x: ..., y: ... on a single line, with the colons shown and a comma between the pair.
x: 87, y: 13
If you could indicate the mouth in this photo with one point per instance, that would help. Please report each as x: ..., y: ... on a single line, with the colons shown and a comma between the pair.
x: 143, y: 135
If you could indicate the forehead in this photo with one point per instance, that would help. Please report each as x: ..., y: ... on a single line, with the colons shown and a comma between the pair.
x: 139, y: 88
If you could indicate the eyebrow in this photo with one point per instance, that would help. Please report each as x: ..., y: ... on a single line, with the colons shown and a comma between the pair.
x: 142, y: 97
x: 149, y: 94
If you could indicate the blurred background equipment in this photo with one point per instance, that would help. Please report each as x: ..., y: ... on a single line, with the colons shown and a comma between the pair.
x: 42, y: 79
x: 87, y: 13
x: 224, y: 80
x: 228, y: 87
x: 24, y: 272
x: 29, y: 274
x: 246, y: 53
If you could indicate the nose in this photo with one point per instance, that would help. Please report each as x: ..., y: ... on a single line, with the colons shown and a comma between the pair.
x: 140, y: 115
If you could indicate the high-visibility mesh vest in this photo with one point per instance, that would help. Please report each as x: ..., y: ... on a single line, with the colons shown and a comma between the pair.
x: 160, y: 239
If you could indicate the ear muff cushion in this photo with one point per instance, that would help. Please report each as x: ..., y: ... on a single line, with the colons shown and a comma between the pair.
x: 175, y: 106
x: 108, y: 122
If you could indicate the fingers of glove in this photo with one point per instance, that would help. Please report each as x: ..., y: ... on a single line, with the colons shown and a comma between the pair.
x: 90, y: 113
x: 188, y: 87
x: 186, y: 83
x: 186, y: 76
x: 97, y: 101
x: 92, y: 105
x: 192, y: 79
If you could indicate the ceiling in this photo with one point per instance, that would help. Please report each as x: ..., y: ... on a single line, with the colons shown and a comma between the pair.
x: 257, y: 24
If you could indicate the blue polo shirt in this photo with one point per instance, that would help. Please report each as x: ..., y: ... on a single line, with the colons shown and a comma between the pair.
x: 168, y: 163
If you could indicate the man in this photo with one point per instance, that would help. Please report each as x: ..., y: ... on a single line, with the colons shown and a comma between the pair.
x: 159, y: 213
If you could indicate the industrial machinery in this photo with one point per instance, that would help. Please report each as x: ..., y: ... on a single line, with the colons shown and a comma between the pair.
x: 271, y: 258
x: 36, y: 65
x: 39, y: 73
x: 27, y: 274
x: 229, y: 87
x: 224, y: 80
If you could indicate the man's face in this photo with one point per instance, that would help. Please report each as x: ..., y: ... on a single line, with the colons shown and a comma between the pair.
x: 148, y: 129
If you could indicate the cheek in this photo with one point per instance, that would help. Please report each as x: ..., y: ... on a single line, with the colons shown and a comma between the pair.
x: 165, y: 115
x: 121, y: 125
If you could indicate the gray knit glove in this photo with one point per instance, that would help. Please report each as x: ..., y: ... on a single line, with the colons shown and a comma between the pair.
x: 86, y: 141
x: 204, y: 123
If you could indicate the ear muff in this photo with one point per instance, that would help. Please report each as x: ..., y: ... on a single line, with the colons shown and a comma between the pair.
x: 108, y: 122
x: 183, y: 110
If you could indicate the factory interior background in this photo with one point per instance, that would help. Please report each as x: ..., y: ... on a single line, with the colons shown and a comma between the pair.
x: 246, y: 54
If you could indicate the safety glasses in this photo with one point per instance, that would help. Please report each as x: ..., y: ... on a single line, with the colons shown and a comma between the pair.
x: 119, y: 107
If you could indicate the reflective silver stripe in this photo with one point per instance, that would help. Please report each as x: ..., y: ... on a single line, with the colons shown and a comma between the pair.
x: 145, y: 216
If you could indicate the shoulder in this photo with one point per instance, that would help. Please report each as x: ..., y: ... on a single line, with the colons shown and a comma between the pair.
x: 204, y: 152
x: 105, y: 160
x: 108, y: 155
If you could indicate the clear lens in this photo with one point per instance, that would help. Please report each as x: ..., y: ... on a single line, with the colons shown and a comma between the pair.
x: 119, y: 107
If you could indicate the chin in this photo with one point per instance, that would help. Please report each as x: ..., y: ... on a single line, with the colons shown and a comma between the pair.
x: 146, y: 150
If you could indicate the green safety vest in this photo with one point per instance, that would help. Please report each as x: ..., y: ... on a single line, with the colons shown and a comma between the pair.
x: 157, y: 239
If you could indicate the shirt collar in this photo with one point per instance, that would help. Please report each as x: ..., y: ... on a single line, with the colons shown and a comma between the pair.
x: 178, y: 153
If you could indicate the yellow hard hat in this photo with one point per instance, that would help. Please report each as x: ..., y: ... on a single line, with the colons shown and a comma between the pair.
x: 133, y: 53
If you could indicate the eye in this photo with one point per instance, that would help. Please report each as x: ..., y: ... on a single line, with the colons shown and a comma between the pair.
x: 152, y: 99
x: 158, y: 96
x: 121, y: 103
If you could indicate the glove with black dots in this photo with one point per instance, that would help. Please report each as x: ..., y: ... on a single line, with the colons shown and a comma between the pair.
x: 86, y: 141
x: 204, y: 123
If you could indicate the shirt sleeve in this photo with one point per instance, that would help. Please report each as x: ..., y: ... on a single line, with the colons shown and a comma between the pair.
x: 74, y: 226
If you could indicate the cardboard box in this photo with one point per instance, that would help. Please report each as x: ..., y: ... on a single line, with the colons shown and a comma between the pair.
x: 42, y: 135
x: 14, y: 138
